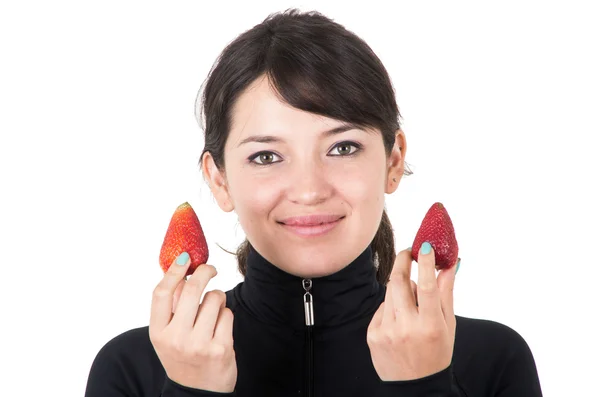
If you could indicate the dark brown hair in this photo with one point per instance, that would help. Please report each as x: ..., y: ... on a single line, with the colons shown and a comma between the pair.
x: 316, y: 65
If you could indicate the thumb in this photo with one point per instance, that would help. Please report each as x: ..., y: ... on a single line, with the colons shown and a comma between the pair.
x: 376, y: 319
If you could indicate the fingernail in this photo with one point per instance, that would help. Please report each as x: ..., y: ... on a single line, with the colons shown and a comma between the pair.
x: 457, y: 266
x: 183, y: 258
x: 425, y: 248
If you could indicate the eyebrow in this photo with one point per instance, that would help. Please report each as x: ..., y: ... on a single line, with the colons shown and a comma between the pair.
x: 274, y: 139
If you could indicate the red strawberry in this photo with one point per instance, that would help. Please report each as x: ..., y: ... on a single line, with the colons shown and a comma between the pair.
x: 437, y: 230
x: 184, y: 234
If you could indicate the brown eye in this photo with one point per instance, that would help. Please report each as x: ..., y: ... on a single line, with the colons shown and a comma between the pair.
x: 345, y: 149
x: 263, y: 158
x: 266, y: 158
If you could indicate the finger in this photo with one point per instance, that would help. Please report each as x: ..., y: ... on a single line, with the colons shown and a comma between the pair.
x: 208, y: 312
x: 445, y: 281
x: 402, y: 295
x: 187, y: 308
x: 224, y: 327
x: 162, y: 297
x: 414, y: 290
x: 427, y: 288
x: 177, y: 294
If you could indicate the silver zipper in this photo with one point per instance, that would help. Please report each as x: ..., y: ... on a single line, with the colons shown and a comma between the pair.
x: 309, y: 316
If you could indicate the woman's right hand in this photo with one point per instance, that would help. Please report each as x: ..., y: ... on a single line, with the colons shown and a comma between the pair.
x: 193, y: 340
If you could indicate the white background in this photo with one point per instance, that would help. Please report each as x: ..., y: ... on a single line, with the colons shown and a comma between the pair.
x: 99, y: 145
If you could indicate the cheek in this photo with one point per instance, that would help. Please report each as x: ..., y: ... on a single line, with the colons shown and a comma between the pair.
x: 254, y: 197
x: 360, y: 185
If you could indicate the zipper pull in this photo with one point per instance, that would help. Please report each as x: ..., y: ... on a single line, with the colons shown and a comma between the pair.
x: 308, y: 303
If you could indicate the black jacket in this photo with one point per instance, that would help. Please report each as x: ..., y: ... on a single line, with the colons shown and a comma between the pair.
x: 278, y: 355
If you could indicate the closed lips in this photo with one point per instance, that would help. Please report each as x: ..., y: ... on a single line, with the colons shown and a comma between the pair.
x: 311, y: 220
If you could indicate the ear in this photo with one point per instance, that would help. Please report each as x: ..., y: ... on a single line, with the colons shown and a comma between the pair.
x: 217, y: 182
x: 395, y: 165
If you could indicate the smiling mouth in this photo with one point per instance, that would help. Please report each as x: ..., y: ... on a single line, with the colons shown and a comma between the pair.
x: 311, y: 229
x: 311, y: 220
x: 310, y: 224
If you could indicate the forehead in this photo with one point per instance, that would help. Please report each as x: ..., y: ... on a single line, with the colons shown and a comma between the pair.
x: 259, y: 109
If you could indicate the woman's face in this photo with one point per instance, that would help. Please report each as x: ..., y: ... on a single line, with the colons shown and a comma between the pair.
x: 282, y: 163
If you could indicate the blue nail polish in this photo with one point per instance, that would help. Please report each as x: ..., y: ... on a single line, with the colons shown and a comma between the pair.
x: 425, y: 248
x: 183, y: 258
x: 457, y: 266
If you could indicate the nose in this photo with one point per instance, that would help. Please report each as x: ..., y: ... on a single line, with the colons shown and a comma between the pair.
x: 309, y: 184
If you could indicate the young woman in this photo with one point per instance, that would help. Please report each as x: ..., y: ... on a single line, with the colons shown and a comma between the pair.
x: 303, y: 141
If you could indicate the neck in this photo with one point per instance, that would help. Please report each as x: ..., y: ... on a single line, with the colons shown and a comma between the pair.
x: 277, y: 297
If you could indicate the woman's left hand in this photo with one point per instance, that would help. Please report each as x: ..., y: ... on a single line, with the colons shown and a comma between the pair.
x: 409, y: 341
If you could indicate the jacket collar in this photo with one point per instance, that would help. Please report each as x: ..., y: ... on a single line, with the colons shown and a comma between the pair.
x: 276, y: 297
